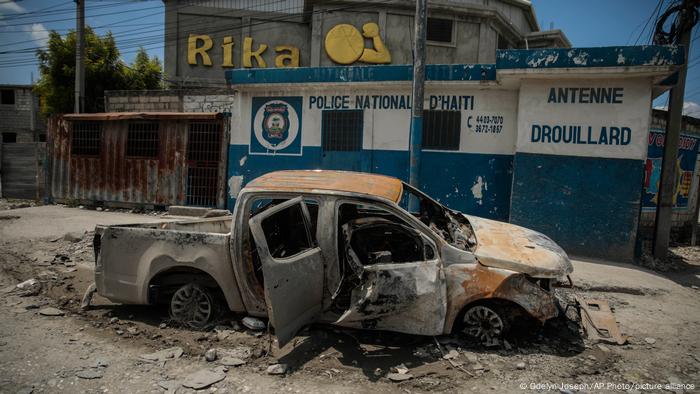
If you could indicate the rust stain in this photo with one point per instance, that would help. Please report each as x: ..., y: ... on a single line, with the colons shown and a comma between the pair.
x: 469, y: 283
x: 111, y: 176
x: 382, y: 186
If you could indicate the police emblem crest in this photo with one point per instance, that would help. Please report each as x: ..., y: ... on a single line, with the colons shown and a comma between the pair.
x: 275, y: 123
x: 276, y: 126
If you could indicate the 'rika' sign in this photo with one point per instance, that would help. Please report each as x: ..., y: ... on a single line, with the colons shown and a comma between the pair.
x: 344, y: 44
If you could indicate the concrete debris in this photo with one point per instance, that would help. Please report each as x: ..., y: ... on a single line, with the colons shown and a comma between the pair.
x: 253, y: 323
x: 277, y: 369
x: 399, y: 377
x: 452, y: 354
x: 101, y: 363
x: 401, y: 369
x: 223, y: 332
x: 163, y: 355
x: 170, y: 386
x: 29, y: 287
x: 231, y: 361
x: 72, y: 237
x: 203, y: 379
x: 90, y: 373
x: 51, y: 311
x: 210, y: 355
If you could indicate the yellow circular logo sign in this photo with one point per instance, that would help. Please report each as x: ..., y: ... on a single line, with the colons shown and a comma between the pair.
x: 344, y: 44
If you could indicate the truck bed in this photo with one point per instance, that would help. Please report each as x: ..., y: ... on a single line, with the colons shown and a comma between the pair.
x: 130, y: 258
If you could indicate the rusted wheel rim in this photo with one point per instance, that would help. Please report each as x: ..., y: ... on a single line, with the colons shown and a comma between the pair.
x: 483, y: 323
x: 191, y: 305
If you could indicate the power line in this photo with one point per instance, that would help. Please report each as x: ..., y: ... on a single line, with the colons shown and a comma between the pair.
x: 154, y: 39
x: 653, y: 12
x: 69, y: 19
x: 70, y: 10
x: 27, y: 62
x: 140, y: 32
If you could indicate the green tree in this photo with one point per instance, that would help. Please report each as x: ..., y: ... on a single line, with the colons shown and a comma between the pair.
x: 104, y: 70
x: 145, y: 72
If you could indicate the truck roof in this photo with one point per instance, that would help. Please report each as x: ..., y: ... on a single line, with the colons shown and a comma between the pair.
x: 383, y: 186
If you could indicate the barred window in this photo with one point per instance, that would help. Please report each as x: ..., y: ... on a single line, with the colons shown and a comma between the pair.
x: 86, y: 138
x: 342, y: 130
x: 439, y: 30
x: 441, y: 130
x: 142, y: 139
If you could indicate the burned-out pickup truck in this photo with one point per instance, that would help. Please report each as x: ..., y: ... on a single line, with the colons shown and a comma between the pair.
x: 340, y: 248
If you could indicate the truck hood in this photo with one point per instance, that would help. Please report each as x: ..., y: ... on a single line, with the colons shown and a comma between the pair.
x: 515, y: 248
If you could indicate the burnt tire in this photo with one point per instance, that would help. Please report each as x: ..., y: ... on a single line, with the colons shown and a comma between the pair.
x: 484, y: 322
x: 194, y: 306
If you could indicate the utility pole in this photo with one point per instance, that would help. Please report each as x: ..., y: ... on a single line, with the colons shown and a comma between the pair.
x: 418, y: 94
x: 667, y: 182
x: 80, y: 57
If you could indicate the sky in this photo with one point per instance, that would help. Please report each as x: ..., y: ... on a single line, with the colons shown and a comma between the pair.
x: 24, y: 26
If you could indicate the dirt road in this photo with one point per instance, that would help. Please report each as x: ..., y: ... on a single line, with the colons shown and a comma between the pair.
x: 100, y: 350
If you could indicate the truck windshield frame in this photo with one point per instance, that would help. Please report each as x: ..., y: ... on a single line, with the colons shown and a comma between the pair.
x: 448, y: 224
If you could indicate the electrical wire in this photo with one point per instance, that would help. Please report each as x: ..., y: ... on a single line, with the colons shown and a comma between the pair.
x: 196, y: 23
x: 153, y: 45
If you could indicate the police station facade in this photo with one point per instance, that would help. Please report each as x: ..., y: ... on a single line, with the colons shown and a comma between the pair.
x: 554, y: 139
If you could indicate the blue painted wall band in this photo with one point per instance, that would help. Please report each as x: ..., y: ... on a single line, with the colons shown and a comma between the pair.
x: 629, y: 56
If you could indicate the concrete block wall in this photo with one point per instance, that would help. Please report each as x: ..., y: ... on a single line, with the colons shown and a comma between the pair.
x: 143, y: 101
x: 173, y: 100
x: 208, y: 103
x: 16, y: 118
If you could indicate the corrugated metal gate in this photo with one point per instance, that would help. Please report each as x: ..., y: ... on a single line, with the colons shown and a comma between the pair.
x: 139, y: 158
x: 204, y: 141
x: 21, y: 169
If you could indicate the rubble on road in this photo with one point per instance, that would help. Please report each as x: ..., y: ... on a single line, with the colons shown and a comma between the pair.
x: 163, y: 355
x: 399, y: 377
x: 51, y: 311
x: 170, y: 386
x: 203, y: 379
x: 210, y: 355
x: 277, y: 369
x: 231, y: 361
x: 29, y: 287
x: 90, y: 373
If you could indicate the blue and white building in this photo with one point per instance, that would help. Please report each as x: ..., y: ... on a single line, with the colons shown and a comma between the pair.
x: 551, y: 139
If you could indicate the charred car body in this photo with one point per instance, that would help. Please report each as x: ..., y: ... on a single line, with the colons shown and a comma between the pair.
x: 340, y: 248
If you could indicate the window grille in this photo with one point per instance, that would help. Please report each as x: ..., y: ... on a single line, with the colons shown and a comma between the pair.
x: 86, y: 138
x: 203, y: 156
x: 441, y: 130
x: 342, y: 130
x: 142, y: 140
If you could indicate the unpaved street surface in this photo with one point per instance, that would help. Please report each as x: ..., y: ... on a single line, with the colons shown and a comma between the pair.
x: 109, y: 347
